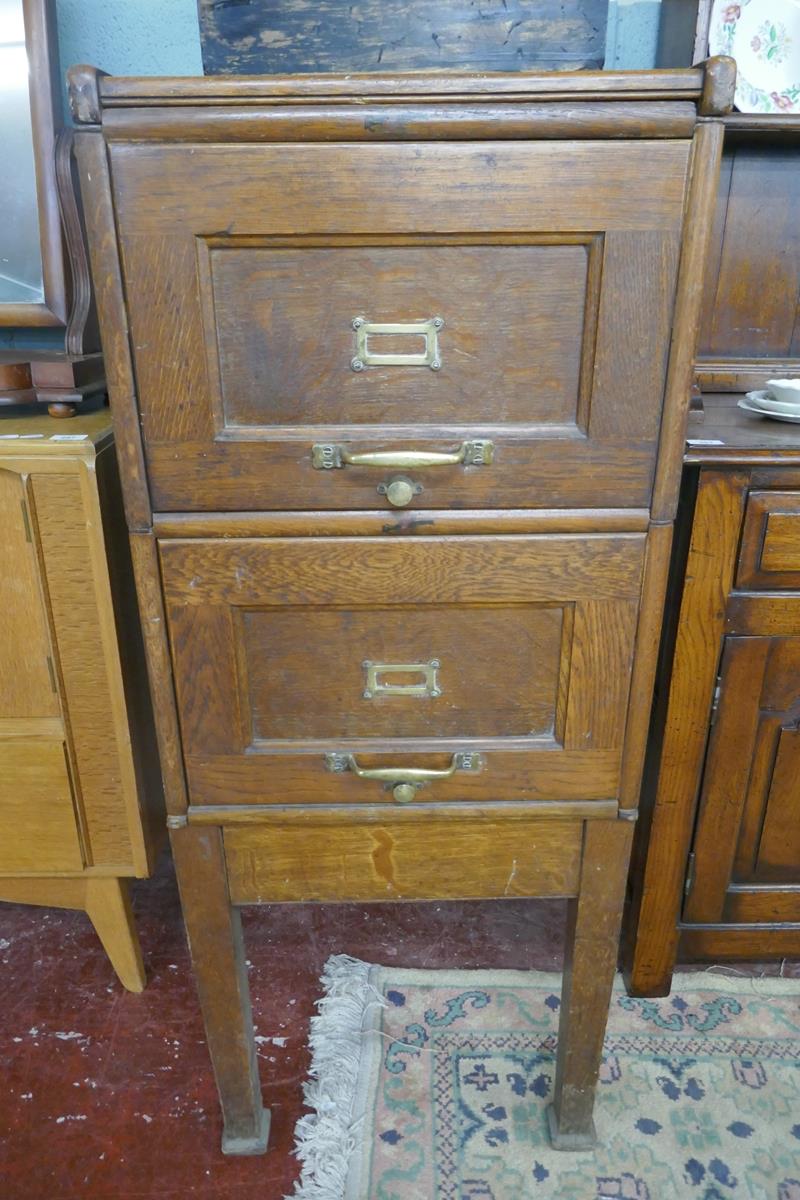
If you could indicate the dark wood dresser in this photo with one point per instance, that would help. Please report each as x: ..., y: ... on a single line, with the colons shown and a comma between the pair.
x: 400, y: 369
x: 717, y: 857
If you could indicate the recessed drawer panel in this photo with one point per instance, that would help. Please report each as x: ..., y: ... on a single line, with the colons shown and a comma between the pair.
x: 770, y: 553
x: 400, y: 300
x: 382, y: 861
x: 335, y: 670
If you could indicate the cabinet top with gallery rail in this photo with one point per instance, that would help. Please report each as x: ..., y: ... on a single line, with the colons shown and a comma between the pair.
x: 372, y: 107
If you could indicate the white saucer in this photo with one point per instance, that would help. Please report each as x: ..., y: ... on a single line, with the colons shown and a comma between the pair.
x: 767, y: 401
x: 750, y: 403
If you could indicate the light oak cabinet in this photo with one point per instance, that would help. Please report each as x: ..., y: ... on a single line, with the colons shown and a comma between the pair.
x: 80, y: 793
x: 399, y: 370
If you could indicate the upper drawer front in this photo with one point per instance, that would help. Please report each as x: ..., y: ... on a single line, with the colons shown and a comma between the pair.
x: 400, y: 297
x: 770, y: 553
x: 293, y: 655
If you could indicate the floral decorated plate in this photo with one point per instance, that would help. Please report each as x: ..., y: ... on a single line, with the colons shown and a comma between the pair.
x: 764, y: 38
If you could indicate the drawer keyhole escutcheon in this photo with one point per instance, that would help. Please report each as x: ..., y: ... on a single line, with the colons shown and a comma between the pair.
x: 399, y: 491
x: 403, y: 781
x: 378, y: 681
x: 366, y: 357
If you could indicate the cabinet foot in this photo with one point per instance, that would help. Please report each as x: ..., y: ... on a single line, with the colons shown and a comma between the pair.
x: 569, y: 1140
x: 108, y: 906
x: 237, y: 1143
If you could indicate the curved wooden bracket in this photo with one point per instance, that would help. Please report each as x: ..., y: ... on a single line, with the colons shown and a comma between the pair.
x: 81, y: 292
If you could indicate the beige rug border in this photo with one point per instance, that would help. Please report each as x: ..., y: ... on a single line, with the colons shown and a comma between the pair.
x: 380, y: 976
x: 712, y: 979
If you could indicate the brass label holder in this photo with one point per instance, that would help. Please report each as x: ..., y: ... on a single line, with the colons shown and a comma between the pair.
x: 378, y: 682
x: 365, y: 357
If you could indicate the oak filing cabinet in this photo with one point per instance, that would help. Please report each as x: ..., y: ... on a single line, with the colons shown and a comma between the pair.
x: 399, y: 369
x: 81, y: 805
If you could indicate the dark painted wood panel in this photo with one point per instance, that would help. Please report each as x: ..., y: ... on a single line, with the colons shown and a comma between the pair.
x: 287, y: 37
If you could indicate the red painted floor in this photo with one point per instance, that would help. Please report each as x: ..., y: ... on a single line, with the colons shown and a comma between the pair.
x: 107, y: 1094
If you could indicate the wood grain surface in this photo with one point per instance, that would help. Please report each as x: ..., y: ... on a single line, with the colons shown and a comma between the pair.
x: 463, y: 859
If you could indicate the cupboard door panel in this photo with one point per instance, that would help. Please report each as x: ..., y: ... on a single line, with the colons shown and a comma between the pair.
x: 747, y: 834
x: 38, y: 828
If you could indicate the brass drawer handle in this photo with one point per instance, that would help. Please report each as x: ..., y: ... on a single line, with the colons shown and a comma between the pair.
x: 327, y: 456
x: 403, y: 781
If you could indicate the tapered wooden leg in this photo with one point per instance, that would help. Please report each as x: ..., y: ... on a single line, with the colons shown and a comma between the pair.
x: 106, y: 902
x: 591, y: 960
x: 108, y: 905
x: 215, y: 940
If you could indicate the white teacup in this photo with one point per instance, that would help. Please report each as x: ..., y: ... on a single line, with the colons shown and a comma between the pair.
x: 787, y: 390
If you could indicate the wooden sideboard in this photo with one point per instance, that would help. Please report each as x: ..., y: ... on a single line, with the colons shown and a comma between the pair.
x: 81, y: 805
x: 400, y: 369
x: 716, y: 870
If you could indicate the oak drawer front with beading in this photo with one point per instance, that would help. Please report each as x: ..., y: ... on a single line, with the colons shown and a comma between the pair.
x: 454, y: 300
x: 351, y: 671
x: 769, y: 557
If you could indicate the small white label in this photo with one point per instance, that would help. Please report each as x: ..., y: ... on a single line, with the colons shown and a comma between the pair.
x: 68, y: 437
x: 705, y: 442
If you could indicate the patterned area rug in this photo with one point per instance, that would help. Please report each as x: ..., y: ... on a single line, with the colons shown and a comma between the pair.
x: 432, y: 1085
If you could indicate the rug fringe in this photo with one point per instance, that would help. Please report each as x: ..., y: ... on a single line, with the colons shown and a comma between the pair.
x: 327, y: 1138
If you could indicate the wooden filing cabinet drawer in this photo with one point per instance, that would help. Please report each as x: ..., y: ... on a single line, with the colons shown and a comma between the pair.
x: 369, y: 298
x: 381, y: 860
x: 770, y: 550
x: 500, y: 663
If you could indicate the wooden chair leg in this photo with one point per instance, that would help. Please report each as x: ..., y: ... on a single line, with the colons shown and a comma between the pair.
x: 108, y: 905
x: 214, y: 929
x: 591, y: 961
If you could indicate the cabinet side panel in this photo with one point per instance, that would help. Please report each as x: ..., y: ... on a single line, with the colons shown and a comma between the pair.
x: 78, y: 592
x: 147, y: 817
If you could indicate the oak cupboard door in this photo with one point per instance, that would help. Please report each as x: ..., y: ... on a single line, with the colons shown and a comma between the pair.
x: 502, y: 663
x: 348, y: 299
x: 747, y: 844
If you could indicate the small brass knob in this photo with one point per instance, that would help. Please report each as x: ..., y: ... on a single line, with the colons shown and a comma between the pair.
x: 403, y: 792
x: 400, y: 492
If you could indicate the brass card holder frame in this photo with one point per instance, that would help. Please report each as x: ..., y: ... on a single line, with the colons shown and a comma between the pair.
x: 377, y: 685
x: 429, y: 357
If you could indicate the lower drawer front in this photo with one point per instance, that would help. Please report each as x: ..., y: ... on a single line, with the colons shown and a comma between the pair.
x: 329, y: 670
x: 438, y: 859
x: 38, y: 830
